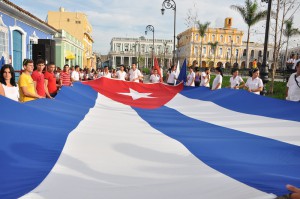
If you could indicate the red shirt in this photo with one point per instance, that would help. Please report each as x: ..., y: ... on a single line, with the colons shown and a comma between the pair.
x: 40, y: 83
x: 66, y: 78
x: 51, y: 82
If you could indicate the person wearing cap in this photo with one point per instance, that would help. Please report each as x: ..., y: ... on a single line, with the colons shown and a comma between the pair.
x: 293, y: 85
x: 121, y: 74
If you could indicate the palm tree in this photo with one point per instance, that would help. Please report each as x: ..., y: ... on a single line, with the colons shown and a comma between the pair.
x: 251, y: 16
x: 202, y: 30
x: 289, y: 31
x: 213, y: 46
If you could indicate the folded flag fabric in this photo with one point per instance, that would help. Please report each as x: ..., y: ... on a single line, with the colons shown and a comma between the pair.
x: 115, y: 139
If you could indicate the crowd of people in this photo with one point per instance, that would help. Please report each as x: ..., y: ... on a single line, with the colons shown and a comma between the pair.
x: 41, y: 81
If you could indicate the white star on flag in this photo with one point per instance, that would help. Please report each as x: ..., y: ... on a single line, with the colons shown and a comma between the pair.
x: 136, y: 95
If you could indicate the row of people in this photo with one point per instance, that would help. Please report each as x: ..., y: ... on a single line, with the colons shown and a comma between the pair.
x: 38, y: 84
x: 253, y: 84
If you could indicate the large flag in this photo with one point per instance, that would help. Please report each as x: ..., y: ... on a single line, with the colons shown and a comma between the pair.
x: 114, y: 139
x: 182, y: 75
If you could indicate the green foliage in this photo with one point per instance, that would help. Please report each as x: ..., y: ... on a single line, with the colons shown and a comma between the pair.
x: 146, y: 71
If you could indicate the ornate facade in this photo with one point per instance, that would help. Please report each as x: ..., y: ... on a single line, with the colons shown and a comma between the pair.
x: 139, y: 50
x: 230, y: 49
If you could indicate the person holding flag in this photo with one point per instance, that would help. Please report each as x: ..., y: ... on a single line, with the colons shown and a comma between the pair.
x: 156, y: 76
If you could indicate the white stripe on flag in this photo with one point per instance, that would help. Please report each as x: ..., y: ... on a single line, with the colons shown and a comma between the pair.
x: 277, y: 129
x: 113, y: 153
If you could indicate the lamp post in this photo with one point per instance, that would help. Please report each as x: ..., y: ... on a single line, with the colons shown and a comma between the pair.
x: 231, y: 53
x: 170, y: 4
x: 138, y: 58
x: 236, y: 57
x: 165, y: 48
x: 151, y: 28
x: 264, y: 70
x: 178, y: 38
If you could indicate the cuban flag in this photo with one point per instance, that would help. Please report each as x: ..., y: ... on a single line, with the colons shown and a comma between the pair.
x: 113, y: 139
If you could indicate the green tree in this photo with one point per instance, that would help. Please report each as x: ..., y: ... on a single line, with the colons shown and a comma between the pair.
x: 289, y: 32
x: 251, y: 16
x: 202, y: 28
x: 213, y: 46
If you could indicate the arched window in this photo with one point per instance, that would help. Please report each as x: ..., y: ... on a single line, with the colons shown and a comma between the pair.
x: 229, y: 39
x: 196, y: 37
x: 220, y: 52
x: 196, y: 50
x: 3, y: 40
x: 252, y: 54
x: 205, y: 37
x: 238, y: 39
x: 17, y: 49
x: 213, y: 38
x: 221, y: 38
x: 204, y: 51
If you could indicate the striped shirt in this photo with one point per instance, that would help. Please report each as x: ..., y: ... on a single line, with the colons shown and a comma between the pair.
x: 65, y: 78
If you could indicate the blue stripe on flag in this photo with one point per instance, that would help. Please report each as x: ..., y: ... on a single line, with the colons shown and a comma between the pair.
x: 262, y: 163
x: 33, y: 135
x: 245, y: 102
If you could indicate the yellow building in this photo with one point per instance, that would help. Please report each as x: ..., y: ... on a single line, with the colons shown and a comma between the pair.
x: 228, y: 52
x: 76, y: 24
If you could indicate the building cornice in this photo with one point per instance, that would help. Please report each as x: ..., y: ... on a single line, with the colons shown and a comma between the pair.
x: 9, y: 8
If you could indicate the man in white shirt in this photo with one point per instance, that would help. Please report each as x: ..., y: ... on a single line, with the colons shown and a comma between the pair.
x: 293, y: 85
x: 171, y: 76
x: 155, y: 78
x: 135, y: 74
x: 106, y: 72
x: 75, y: 74
x: 121, y: 74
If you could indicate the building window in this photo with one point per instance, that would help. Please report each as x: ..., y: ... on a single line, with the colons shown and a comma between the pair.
x: 229, y: 39
x: 118, y: 47
x: 220, y: 52
x: 221, y: 38
x: 213, y: 38
x: 204, y: 51
x: 17, y: 49
x: 3, y: 40
x: 126, y: 48
x: 197, y: 37
x: 78, y: 22
x: 252, y: 54
x: 205, y: 37
x: 238, y: 39
x: 237, y: 52
x: 196, y: 50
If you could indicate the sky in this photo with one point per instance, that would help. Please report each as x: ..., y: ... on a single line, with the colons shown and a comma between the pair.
x: 129, y: 18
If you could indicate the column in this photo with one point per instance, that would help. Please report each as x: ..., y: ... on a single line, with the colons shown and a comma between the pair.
x: 130, y: 60
x: 122, y: 59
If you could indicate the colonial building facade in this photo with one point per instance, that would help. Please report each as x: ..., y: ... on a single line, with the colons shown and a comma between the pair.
x: 19, y: 30
x: 139, y: 50
x: 68, y: 49
x: 77, y: 25
x: 230, y: 49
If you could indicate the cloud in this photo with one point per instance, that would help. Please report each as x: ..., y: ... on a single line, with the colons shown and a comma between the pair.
x: 115, y: 18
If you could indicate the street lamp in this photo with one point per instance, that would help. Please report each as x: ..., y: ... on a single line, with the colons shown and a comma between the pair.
x: 178, y: 38
x: 136, y: 44
x: 264, y: 70
x: 170, y: 4
x: 231, y: 53
x: 151, y: 28
x: 236, y: 57
x: 165, y: 48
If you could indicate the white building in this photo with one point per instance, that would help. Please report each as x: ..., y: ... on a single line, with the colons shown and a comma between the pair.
x: 139, y: 50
